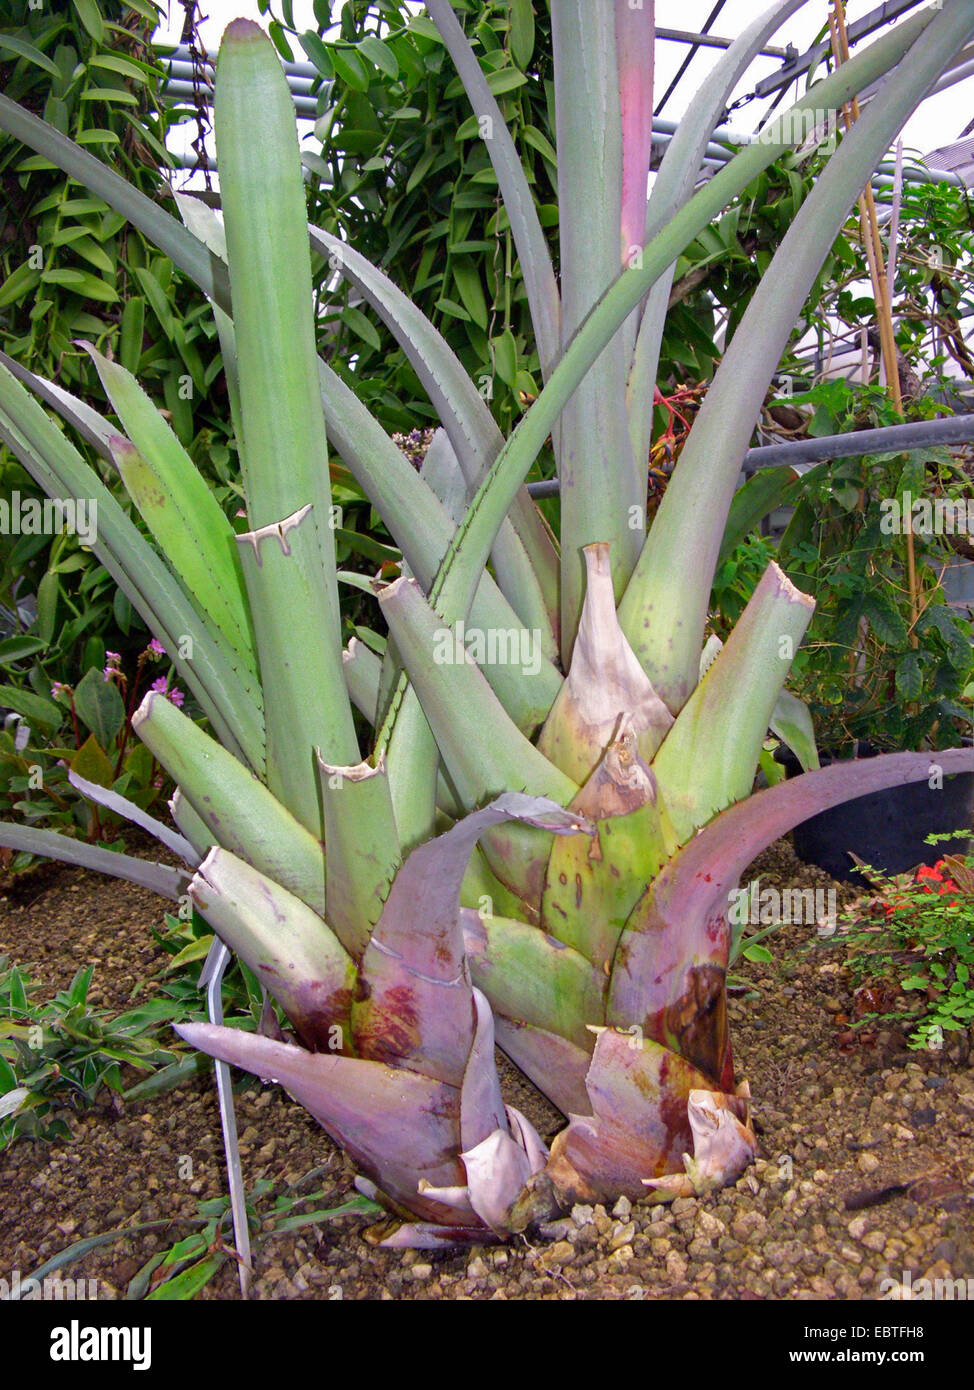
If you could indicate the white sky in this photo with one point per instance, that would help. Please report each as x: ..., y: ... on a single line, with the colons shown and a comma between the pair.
x: 939, y: 120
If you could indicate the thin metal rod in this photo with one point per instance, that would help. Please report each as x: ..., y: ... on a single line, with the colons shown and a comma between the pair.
x: 713, y: 41
x: 869, y: 23
x: 211, y: 977
x: 689, y: 57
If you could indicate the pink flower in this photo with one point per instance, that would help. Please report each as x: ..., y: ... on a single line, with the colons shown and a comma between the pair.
x: 162, y: 685
x: 156, y: 648
x: 177, y: 697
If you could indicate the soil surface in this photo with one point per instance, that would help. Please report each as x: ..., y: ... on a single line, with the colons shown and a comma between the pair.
x: 866, y: 1175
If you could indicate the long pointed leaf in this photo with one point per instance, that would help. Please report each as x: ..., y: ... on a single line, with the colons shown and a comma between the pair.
x: 284, y: 451
x: 206, y: 665
x: 123, y: 807
x: 167, y: 882
x: 233, y: 804
x: 92, y: 427
x: 709, y: 757
x: 602, y: 490
x: 293, y: 953
x: 532, y: 249
x: 185, y: 518
x: 469, y: 551
x: 690, y: 522
x: 672, y: 187
x: 525, y: 553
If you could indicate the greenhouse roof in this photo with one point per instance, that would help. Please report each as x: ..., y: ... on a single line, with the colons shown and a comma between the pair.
x: 691, y: 35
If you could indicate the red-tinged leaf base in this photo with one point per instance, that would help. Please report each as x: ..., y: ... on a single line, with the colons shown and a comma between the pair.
x: 650, y: 1109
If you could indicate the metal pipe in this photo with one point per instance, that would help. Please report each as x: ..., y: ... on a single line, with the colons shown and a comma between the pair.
x: 884, y: 14
x: 712, y: 41
x: 923, y: 434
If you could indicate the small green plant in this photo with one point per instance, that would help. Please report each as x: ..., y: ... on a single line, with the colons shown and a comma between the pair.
x: 181, y: 1272
x: 62, y: 1054
x: 870, y: 668
x: 75, y: 737
x: 917, y: 934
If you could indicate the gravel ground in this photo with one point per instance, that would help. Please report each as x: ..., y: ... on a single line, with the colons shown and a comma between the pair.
x: 865, y: 1180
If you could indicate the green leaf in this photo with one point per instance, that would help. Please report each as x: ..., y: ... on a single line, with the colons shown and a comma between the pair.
x: 99, y: 706
x: 522, y: 31
x: 419, y: 24
x: 14, y: 649
x: 380, y: 54
x: 187, y: 1285
x: 532, y: 136
x: 318, y: 52
x: 179, y: 508
x: 887, y: 623
x: 196, y: 950
x: 90, y: 16
x: 505, y: 80
x: 361, y: 326
x: 27, y: 50
x: 39, y: 712
x: 81, y: 282
x: 92, y: 763
x: 467, y: 279
x: 758, y: 954
x: 505, y: 358
x: 19, y: 284
x: 284, y: 449
x: 349, y: 67
x: 909, y: 677
x: 110, y: 94
x: 131, y: 333
x: 113, y: 62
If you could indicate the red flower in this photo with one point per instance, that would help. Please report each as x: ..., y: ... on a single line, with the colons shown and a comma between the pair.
x: 925, y: 871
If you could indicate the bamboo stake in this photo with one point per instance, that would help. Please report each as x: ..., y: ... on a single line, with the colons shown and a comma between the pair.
x: 869, y: 226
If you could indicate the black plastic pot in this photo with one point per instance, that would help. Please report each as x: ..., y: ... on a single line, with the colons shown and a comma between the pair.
x: 885, y: 829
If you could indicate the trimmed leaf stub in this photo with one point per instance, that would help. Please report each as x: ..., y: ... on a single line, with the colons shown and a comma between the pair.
x: 606, y: 691
x: 651, y: 1109
x: 723, y: 1145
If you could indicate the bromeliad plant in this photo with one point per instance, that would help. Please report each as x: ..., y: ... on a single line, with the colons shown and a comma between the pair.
x: 540, y: 844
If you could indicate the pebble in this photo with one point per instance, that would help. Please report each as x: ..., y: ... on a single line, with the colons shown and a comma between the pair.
x: 622, y: 1234
x: 749, y: 1227
x: 867, y: 1163
x: 561, y: 1253
x: 707, y: 1226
